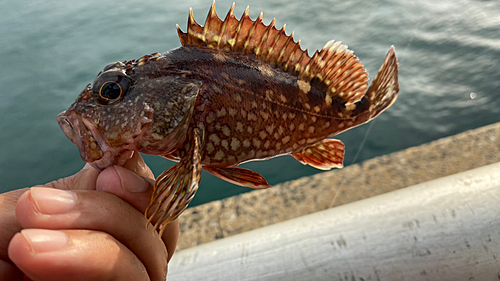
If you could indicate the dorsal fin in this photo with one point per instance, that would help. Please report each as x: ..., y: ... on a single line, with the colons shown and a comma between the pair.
x: 334, y: 69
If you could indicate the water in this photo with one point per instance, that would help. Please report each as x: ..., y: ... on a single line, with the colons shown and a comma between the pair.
x: 449, y: 53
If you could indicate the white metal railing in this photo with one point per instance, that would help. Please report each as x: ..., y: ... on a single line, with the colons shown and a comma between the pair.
x: 445, y: 229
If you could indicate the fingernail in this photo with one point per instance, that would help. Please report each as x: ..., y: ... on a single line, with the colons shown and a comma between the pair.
x: 131, y: 182
x: 43, y: 240
x: 52, y: 201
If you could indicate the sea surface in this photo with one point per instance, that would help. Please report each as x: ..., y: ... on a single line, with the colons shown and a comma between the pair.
x: 448, y: 50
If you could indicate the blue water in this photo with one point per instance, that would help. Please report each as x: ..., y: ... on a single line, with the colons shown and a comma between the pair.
x: 449, y: 54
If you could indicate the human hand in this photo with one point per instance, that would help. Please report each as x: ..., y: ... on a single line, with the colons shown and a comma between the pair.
x: 81, y: 234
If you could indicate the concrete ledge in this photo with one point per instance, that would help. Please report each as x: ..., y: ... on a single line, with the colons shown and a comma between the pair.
x: 307, y: 195
x: 446, y: 229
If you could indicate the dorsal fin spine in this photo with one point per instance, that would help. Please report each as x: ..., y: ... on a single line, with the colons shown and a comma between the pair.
x: 238, y: 29
x: 191, y: 25
x: 276, y: 40
x: 180, y: 33
x: 283, y: 51
x: 251, y: 31
x: 229, y: 16
x: 265, y: 37
x: 211, y: 16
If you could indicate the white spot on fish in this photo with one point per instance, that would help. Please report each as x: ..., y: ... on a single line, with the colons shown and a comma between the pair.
x: 235, y: 144
x: 210, y: 117
x: 226, y: 131
x: 221, y: 112
x: 224, y: 144
x: 270, y: 128
x: 328, y: 99
x: 256, y: 143
x: 239, y: 127
x: 246, y: 143
x: 251, y: 153
x: 219, y: 155
x: 281, y: 130
x: 282, y: 98
x: 264, y: 69
x: 232, y: 111
x: 252, y: 116
x: 304, y: 86
x: 210, y: 148
x: 262, y: 134
x: 350, y: 106
x: 269, y: 94
x: 237, y: 97
x: 214, y: 138
x: 267, y: 144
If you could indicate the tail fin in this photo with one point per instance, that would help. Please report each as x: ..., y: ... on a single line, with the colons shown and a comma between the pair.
x: 385, y: 87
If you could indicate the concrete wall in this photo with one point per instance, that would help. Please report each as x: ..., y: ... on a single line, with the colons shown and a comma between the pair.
x: 445, y: 230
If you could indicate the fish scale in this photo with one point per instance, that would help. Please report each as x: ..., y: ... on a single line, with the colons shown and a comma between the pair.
x: 236, y: 91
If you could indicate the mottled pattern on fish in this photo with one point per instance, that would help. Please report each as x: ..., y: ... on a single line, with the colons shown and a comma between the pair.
x: 237, y: 90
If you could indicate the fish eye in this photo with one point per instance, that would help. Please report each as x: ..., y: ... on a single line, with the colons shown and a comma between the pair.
x: 110, y: 90
x: 110, y: 86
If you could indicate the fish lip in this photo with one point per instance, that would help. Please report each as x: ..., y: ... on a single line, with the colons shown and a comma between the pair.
x: 67, y: 127
x: 83, y: 133
x: 71, y: 129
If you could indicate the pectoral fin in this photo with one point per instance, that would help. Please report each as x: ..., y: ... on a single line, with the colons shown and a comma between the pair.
x: 324, y: 155
x: 240, y: 176
x: 176, y: 187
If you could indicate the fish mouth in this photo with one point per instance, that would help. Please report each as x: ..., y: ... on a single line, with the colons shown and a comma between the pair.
x: 93, y: 146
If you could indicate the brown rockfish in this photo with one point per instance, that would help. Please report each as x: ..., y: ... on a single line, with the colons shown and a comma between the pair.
x: 236, y: 91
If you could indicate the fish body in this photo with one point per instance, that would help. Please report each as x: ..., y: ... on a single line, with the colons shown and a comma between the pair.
x: 236, y: 91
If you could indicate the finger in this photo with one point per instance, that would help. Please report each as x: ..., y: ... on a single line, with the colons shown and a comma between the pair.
x: 137, y: 165
x: 74, y: 255
x: 136, y: 191
x: 8, y: 221
x: 127, y: 185
x: 83, y: 180
x: 57, y: 209
x: 170, y: 237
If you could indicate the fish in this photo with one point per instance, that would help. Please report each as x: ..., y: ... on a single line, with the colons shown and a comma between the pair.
x: 237, y: 90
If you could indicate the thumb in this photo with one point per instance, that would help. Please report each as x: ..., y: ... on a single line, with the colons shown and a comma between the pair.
x: 85, y: 179
x: 133, y: 182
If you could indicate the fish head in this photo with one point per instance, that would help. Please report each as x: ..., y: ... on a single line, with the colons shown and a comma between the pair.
x: 128, y: 109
